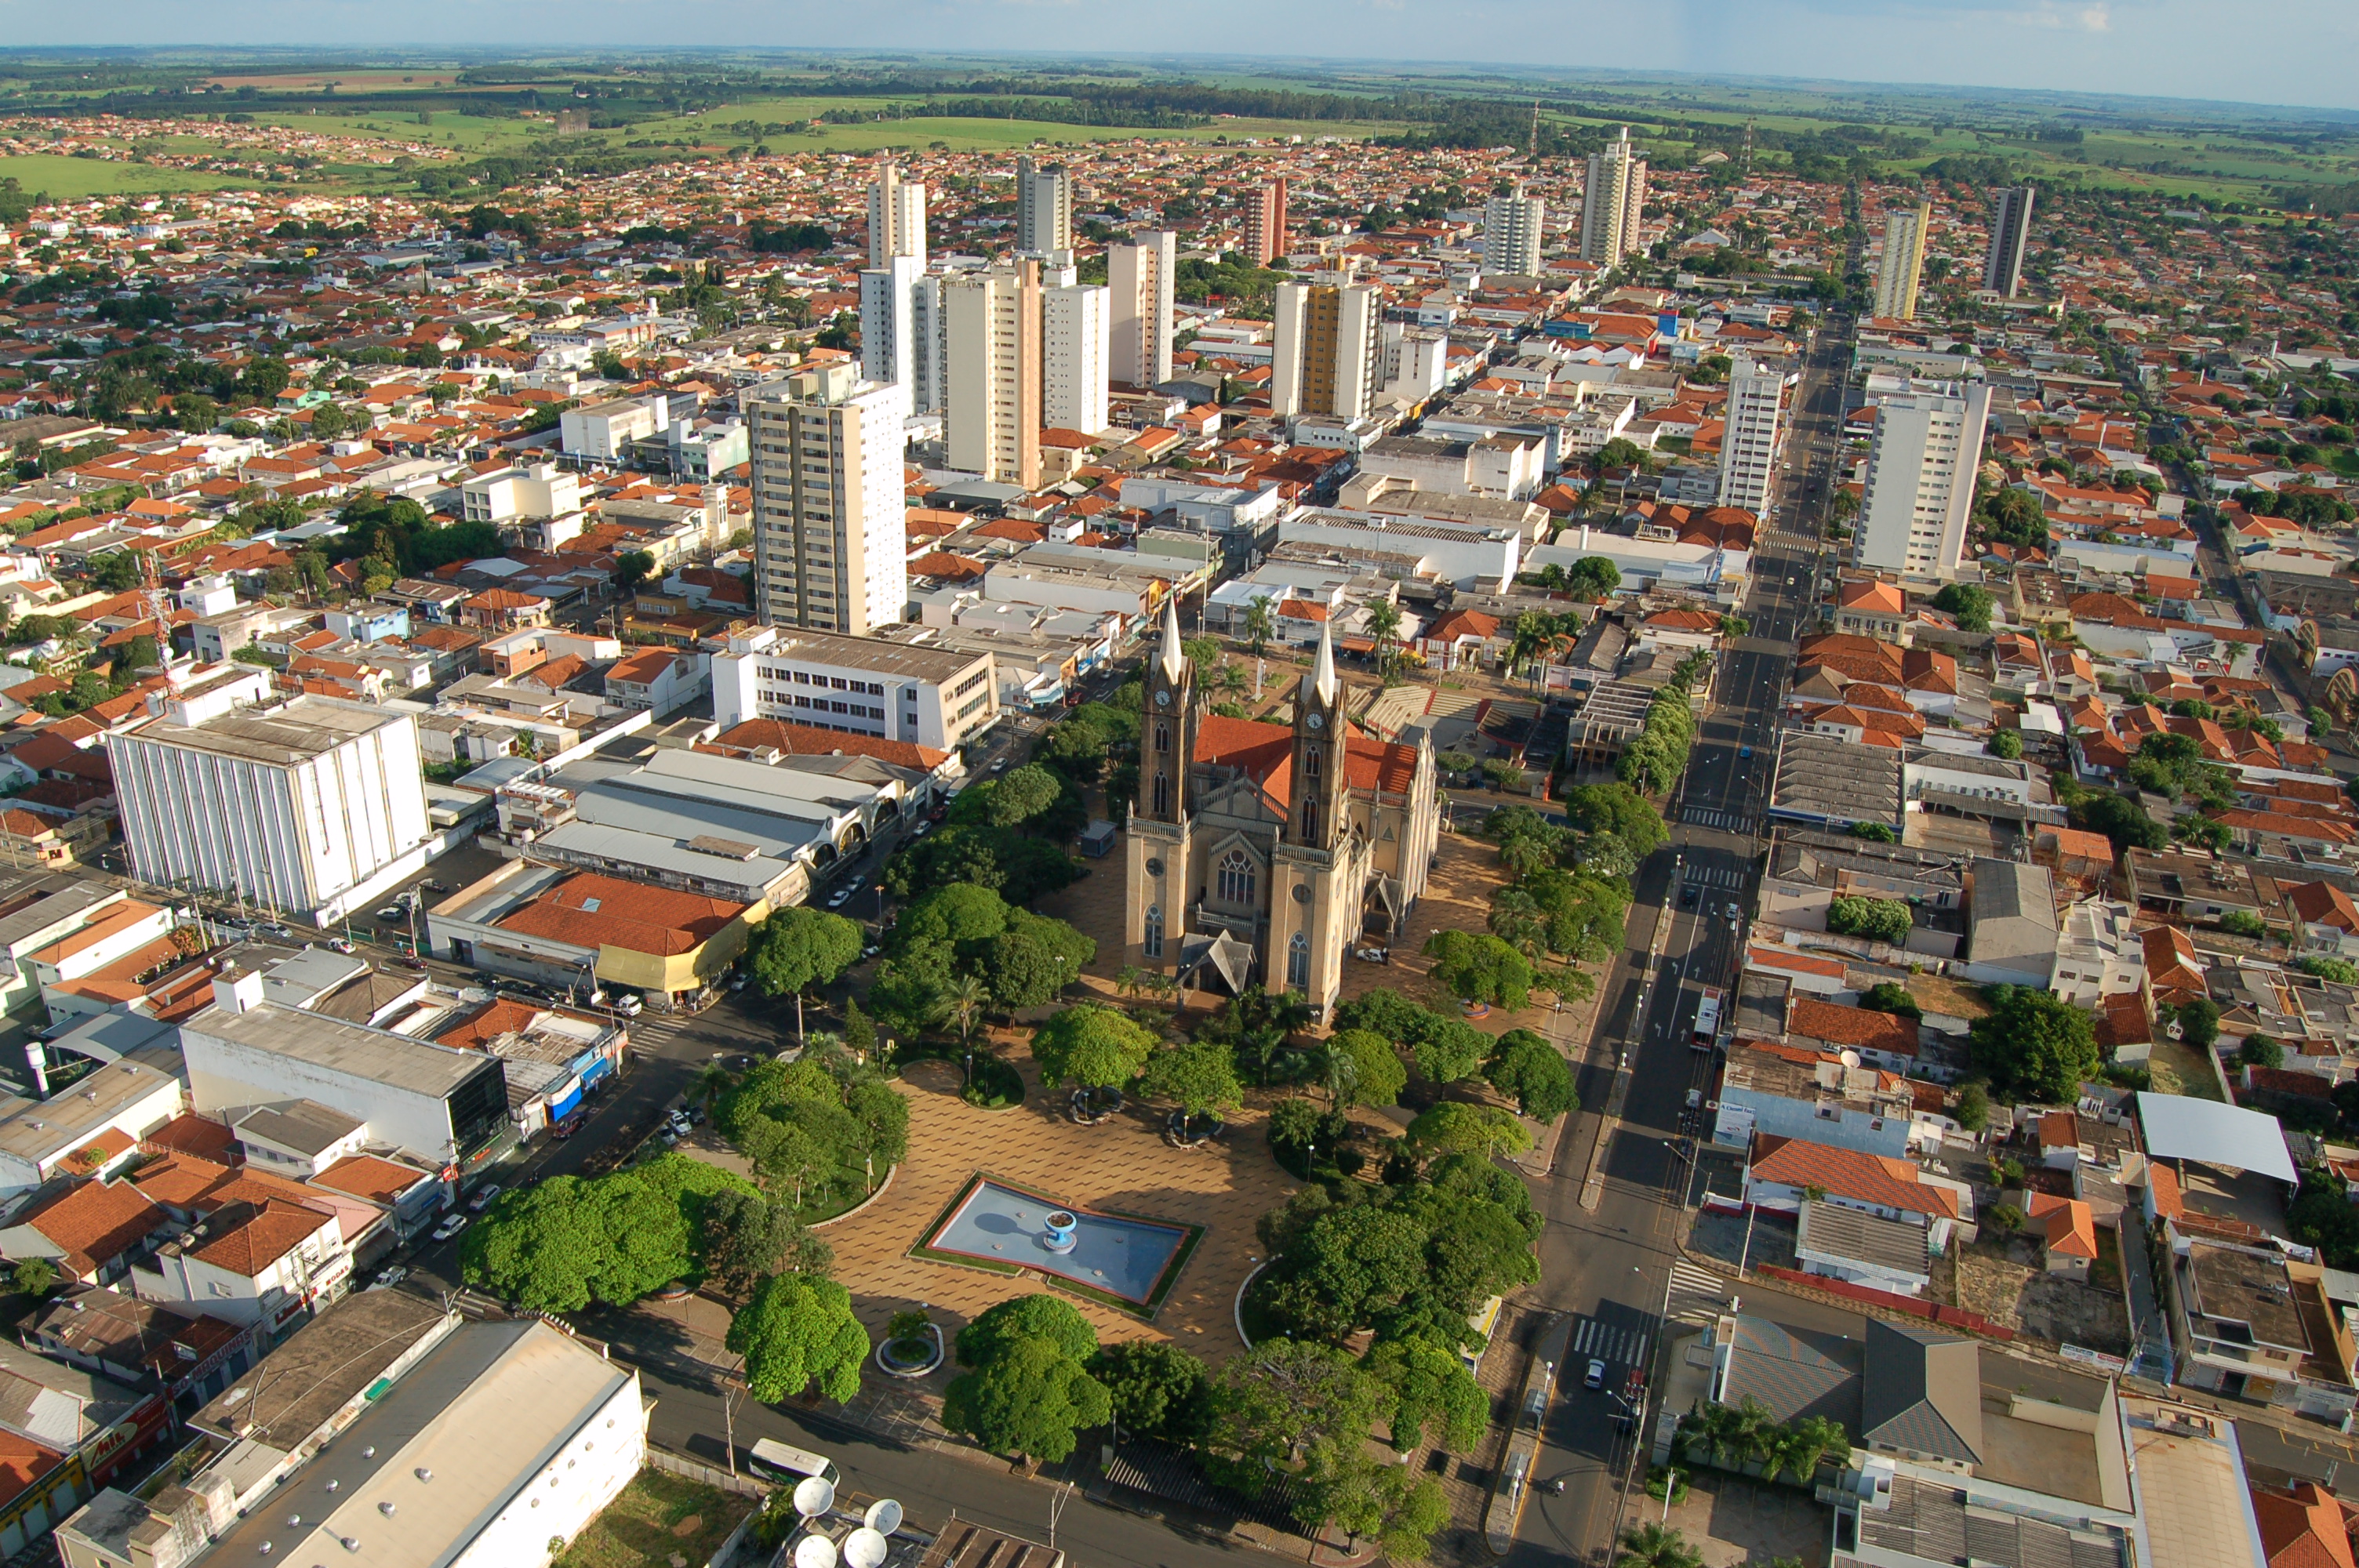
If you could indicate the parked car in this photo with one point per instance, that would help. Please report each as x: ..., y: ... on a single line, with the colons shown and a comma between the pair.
x: 629, y: 1006
x: 431, y: 886
x: 1000, y: 767
x: 1373, y: 955
x: 394, y: 915
x: 1688, y: 896
x: 338, y: 944
x: 451, y: 1226
x: 411, y: 961
x: 839, y: 898
x: 1735, y: 910
x: 484, y: 1196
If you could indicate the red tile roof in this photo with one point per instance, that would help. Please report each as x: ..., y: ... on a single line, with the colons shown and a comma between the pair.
x: 1853, y: 1026
x: 1850, y: 1174
x: 590, y: 910
x: 97, y: 1221
x: 2305, y: 1528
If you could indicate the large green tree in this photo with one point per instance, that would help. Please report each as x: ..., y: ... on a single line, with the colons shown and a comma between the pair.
x: 1199, y: 1076
x: 798, y: 948
x: 1454, y: 1127
x: 1479, y: 968
x: 1097, y: 1047
x: 1430, y: 1387
x: 1159, y: 1390
x: 563, y: 1242
x: 797, y: 1331
x: 1029, y: 1400
x: 2033, y: 1046
x: 1375, y: 1075
x: 1525, y: 1065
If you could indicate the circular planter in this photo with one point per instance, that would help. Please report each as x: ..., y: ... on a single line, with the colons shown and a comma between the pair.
x: 1180, y: 1134
x: 1087, y: 1109
x: 1476, y: 1009
x: 893, y: 1367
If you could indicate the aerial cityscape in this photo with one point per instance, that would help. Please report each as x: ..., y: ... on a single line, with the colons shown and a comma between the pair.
x: 870, y: 805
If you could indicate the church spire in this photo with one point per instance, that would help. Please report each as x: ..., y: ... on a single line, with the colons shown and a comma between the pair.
x: 1171, y: 656
x: 1320, y: 682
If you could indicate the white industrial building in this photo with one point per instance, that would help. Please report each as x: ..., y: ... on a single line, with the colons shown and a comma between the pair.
x: 442, y: 1105
x: 599, y: 431
x: 312, y: 807
x: 860, y: 685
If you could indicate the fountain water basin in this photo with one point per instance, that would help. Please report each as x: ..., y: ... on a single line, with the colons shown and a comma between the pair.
x: 999, y: 1224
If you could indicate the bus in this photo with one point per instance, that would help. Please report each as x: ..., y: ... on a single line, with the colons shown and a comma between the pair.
x: 1707, y: 1020
x: 1485, y: 1323
x: 785, y: 1462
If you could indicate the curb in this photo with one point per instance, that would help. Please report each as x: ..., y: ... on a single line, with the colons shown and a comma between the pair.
x: 881, y: 1188
x: 1237, y: 1307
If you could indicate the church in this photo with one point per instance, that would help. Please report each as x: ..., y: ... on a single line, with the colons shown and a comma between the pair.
x: 1261, y: 854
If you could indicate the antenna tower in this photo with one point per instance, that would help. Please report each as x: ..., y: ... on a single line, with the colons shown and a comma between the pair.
x: 1749, y: 143
x: 157, y: 612
x: 1532, y: 153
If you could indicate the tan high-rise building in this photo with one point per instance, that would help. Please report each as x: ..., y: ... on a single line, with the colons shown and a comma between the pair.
x: 1904, y: 259
x: 2010, y: 228
x: 1327, y: 352
x: 830, y: 539
x: 1138, y: 279
x: 991, y: 351
x: 1265, y: 223
x: 1044, y: 208
x: 1614, y: 202
x: 896, y: 217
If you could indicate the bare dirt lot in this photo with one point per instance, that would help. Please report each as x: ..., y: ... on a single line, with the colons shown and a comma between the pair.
x: 2007, y: 1284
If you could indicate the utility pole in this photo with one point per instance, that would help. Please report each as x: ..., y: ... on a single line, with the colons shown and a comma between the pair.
x: 1532, y: 153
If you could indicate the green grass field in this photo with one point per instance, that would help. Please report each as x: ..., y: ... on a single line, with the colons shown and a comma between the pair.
x: 74, y: 179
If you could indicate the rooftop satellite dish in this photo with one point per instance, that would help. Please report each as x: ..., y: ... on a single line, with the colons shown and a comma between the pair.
x: 865, y: 1548
x: 814, y: 1551
x: 884, y: 1516
x: 814, y: 1495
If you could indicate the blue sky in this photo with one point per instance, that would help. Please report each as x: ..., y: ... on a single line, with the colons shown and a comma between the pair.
x: 2292, y: 52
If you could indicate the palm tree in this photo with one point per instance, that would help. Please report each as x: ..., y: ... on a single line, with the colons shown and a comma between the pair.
x: 1261, y: 625
x: 966, y: 1000
x: 1748, y: 1436
x: 1340, y: 1072
x: 713, y: 1081
x: 1654, y: 1545
x: 1384, y: 622
x: 1516, y: 919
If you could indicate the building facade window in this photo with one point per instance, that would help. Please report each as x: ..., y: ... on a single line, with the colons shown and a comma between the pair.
x: 1237, y: 878
x: 1162, y: 795
x: 1152, y: 945
x: 1297, y: 963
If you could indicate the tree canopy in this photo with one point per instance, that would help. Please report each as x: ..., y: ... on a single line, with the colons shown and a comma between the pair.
x: 1524, y: 1066
x: 1029, y: 1388
x: 798, y: 1330
x: 1480, y: 967
x: 1098, y: 1047
x: 569, y: 1240
x: 2034, y: 1046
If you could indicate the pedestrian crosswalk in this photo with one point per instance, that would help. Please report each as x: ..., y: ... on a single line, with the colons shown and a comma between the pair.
x: 1710, y: 816
x: 1698, y: 1295
x: 1621, y: 1344
x: 1733, y: 877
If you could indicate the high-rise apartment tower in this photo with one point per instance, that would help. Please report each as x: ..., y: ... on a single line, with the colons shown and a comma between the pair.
x: 1138, y: 327
x: 1044, y: 208
x: 1922, y: 465
x: 2010, y: 227
x: 991, y: 383
x: 1265, y: 223
x: 1904, y: 259
x: 1511, y: 233
x: 1327, y: 354
x: 1748, y: 448
x: 896, y: 217
x: 1613, y: 203
x: 830, y: 540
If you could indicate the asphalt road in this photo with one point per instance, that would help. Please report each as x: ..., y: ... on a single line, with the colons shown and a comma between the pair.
x: 1612, y: 1269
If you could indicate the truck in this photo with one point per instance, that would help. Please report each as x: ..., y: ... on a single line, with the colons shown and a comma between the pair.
x: 1707, y: 1019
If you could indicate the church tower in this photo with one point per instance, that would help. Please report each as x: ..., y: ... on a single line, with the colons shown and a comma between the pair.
x: 1160, y: 830
x: 1318, y: 864
x: 1167, y: 733
x: 1317, y: 796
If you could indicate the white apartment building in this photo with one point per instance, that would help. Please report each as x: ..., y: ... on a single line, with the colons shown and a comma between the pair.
x: 896, y: 219
x: 862, y: 686
x: 527, y: 490
x: 1073, y: 357
x: 1613, y: 203
x: 1138, y: 328
x: 1044, y: 208
x: 1416, y: 362
x: 1511, y: 233
x: 2098, y: 954
x: 888, y: 325
x: 991, y: 340
x: 311, y: 805
x: 928, y: 346
x: 1328, y: 351
x: 1748, y: 449
x: 830, y: 542
x: 599, y: 431
x: 1920, y: 479
x: 1903, y: 260
x: 281, y: 1264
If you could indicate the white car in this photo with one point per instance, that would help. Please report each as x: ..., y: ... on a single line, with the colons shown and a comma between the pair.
x: 1595, y: 1377
x: 451, y: 1227
x: 484, y: 1196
